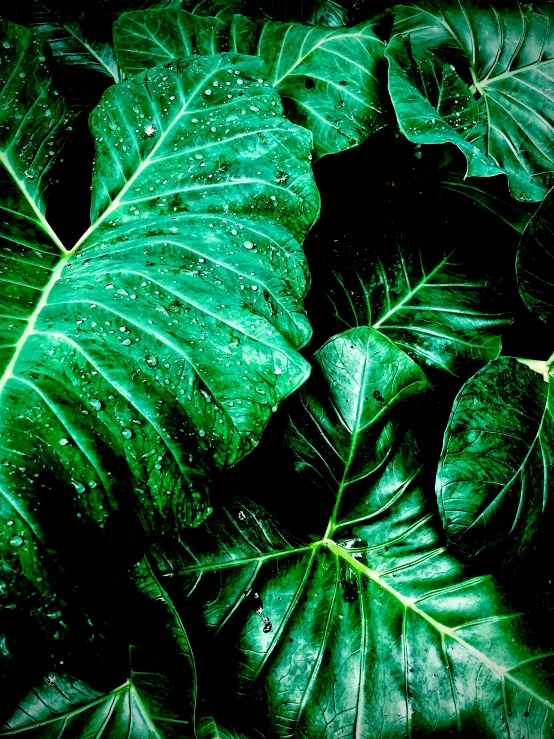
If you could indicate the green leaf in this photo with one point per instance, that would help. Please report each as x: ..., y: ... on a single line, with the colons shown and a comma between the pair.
x: 535, y: 262
x: 495, y: 477
x: 70, y: 45
x: 327, y: 78
x: 439, y: 306
x: 512, y: 212
x: 153, y: 353
x: 328, y: 13
x: 433, y: 105
x: 208, y: 728
x: 156, y: 701
x: 508, y: 54
x: 370, y: 628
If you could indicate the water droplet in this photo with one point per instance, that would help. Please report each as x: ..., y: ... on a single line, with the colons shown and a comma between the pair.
x: 6, y: 44
x: 126, y: 433
x: 202, y: 432
x: 63, y: 442
x: 10, y: 523
x: 79, y: 487
x: 16, y: 541
x: 248, y: 245
x: 96, y: 405
x: 152, y: 360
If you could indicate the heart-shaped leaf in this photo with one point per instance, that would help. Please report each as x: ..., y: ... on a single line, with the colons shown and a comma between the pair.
x: 496, y: 474
x: 371, y: 629
x: 327, y: 78
x: 506, y: 54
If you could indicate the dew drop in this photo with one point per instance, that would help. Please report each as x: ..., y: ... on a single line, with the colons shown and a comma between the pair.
x: 16, y: 541
x: 126, y: 433
x: 96, y: 405
x: 63, y: 442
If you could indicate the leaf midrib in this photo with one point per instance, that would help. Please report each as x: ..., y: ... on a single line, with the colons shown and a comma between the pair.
x: 83, y: 42
x: 32, y: 320
x: 414, y: 291
x: 148, y: 159
x: 501, y: 671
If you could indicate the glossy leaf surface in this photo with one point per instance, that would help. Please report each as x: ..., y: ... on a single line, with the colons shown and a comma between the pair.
x: 495, y: 477
x: 434, y: 304
x: 327, y: 78
x: 506, y: 56
x: 372, y: 629
x: 153, y: 352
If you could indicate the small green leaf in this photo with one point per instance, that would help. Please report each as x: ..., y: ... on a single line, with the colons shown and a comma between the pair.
x: 496, y: 474
x: 327, y: 78
x: 433, y: 105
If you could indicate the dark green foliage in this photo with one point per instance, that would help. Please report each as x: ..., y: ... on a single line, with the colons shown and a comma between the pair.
x: 188, y: 552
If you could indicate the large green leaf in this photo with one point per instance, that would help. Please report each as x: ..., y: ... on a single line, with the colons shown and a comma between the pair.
x: 155, y: 350
x: 156, y: 701
x: 441, y: 306
x: 508, y: 55
x: 535, y: 262
x: 495, y: 477
x: 370, y: 628
x: 495, y: 199
x: 327, y: 78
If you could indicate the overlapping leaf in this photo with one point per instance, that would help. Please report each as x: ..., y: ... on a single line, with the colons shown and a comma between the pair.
x: 371, y: 629
x: 506, y: 54
x: 154, y: 351
x: 495, y: 477
x: 327, y: 78
x: 440, y: 306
